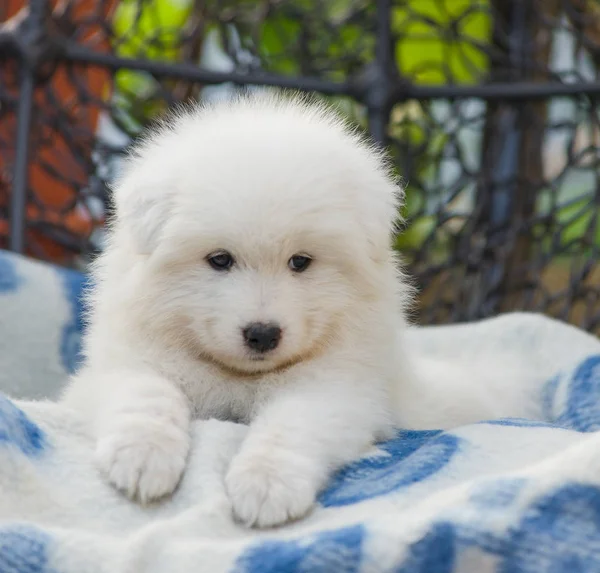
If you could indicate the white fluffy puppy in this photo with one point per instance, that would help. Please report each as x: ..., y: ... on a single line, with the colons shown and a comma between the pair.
x: 248, y: 276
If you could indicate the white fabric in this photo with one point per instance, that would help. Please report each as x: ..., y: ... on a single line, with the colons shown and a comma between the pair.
x: 40, y: 326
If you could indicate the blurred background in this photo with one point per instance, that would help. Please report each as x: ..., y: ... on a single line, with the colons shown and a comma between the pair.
x: 489, y: 109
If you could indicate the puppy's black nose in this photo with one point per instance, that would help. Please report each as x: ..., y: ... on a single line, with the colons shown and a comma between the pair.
x: 262, y: 337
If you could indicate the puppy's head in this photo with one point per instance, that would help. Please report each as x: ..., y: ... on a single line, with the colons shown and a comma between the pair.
x: 262, y: 228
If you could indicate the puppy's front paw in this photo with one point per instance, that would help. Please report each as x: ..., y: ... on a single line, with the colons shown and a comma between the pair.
x: 145, y: 459
x: 269, y: 489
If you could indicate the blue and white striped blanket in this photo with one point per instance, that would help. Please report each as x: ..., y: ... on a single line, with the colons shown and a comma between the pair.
x: 507, y: 496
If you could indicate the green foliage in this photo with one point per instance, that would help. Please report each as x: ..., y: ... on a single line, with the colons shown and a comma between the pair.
x: 573, y: 223
x: 424, y: 141
x: 323, y: 36
x: 150, y: 29
x: 277, y: 35
x: 440, y: 40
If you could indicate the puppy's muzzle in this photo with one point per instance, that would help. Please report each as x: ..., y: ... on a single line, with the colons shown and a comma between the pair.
x: 262, y: 337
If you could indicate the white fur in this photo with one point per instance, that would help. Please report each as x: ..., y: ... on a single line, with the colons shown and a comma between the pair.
x: 264, y: 178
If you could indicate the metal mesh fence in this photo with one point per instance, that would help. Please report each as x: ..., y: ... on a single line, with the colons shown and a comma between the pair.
x: 488, y: 107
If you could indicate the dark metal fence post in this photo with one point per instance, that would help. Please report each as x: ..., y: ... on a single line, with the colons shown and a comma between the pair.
x: 497, y: 248
x: 379, y: 78
x: 20, y: 179
x: 27, y: 41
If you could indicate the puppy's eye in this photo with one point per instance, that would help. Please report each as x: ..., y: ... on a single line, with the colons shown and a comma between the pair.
x: 299, y: 263
x: 220, y: 261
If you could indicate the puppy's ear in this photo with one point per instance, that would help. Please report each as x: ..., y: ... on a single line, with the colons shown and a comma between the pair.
x: 142, y: 207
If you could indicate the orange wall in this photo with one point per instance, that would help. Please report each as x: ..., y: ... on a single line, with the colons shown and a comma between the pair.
x: 60, y: 111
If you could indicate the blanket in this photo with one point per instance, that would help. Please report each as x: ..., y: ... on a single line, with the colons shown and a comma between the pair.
x: 40, y: 326
x: 508, y: 496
